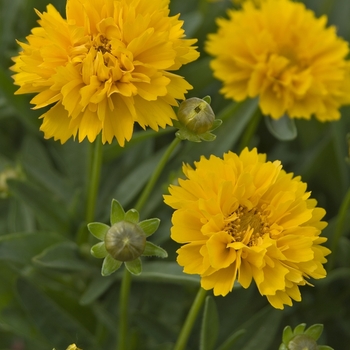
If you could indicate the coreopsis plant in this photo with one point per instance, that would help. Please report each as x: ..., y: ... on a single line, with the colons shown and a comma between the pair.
x: 282, y: 54
x: 106, y: 66
x: 104, y: 70
x: 243, y: 218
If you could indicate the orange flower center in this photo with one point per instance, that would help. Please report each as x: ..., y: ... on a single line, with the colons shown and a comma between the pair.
x: 247, y: 226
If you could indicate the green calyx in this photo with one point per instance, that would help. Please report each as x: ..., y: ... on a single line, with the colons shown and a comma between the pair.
x: 301, y: 339
x: 124, y: 241
x: 196, y: 120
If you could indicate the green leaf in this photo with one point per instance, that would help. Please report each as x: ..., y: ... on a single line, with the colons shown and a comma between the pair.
x: 132, y: 215
x: 166, y: 272
x: 95, y: 289
x: 149, y: 226
x: 264, y: 332
x: 54, y: 322
x: 261, y: 330
x: 117, y: 212
x: 134, y: 266
x: 210, y: 325
x: 314, y: 331
x: 231, y: 340
x: 154, y: 250
x: 22, y: 247
x: 110, y: 265
x: 99, y: 250
x: 63, y: 256
x: 98, y: 229
x: 51, y: 213
x: 283, y: 129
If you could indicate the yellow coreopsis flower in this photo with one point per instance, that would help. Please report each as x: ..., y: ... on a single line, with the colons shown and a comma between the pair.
x: 286, y: 56
x: 243, y: 218
x: 106, y: 66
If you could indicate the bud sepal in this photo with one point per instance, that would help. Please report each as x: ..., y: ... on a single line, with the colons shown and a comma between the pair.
x: 124, y: 241
x: 196, y: 120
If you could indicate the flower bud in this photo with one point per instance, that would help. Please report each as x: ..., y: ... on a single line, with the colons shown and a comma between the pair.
x: 196, y: 114
x: 125, y: 241
x: 302, y: 342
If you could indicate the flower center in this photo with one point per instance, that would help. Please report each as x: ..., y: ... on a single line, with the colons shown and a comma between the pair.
x: 102, y: 44
x: 247, y: 226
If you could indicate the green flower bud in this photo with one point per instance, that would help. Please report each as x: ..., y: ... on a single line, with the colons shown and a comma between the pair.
x: 302, y: 339
x: 125, y: 241
x: 302, y: 342
x: 196, y: 114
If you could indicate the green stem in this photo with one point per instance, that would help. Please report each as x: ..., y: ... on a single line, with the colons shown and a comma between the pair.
x: 190, y: 320
x: 250, y: 130
x: 153, y: 179
x: 339, y: 229
x: 126, y: 281
x: 94, y: 180
x: 123, y: 311
x: 93, y: 185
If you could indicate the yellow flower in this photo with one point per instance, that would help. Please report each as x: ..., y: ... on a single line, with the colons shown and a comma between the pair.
x: 106, y: 66
x: 285, y: 55
x: 242, y: 218
x: 239, y: 2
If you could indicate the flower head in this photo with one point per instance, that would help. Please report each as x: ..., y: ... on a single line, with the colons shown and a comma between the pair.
x: 106, y: 66
x: 243, y: 218
x: 124, y: 241
x: 286, y: 56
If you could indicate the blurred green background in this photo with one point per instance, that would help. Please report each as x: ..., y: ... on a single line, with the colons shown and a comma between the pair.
x: 51, y: 291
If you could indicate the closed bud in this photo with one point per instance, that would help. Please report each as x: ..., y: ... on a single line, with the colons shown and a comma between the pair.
x: 196, y: 114
x: 125, y: 241
x: 302, y: 342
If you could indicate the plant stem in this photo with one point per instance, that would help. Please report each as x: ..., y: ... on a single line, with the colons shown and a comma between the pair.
x: 190, y: 320
x: 339, y: 229
x: 250, y: 130
x: 93, y: 185
x: 126, y: 281
x: 94, y: 179
x: 153, y: 179
x: 123, y: 310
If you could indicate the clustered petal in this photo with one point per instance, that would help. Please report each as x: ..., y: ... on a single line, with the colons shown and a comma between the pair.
x: 105, y: 67
x: 280, y: 52
x: 244, y: 218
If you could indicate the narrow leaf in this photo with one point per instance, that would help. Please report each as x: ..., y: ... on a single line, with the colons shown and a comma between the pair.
x: 53, y: 321
x: 210, y: 325
x: 231, y: 340
x: 283, y: 129
x: 63, y: 256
